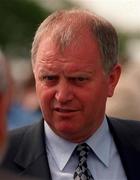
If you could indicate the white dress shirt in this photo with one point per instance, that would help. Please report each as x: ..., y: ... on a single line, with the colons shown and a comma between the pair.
x: 104, y: 162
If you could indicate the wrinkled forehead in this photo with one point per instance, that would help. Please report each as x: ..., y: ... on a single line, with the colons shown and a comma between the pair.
x: 66, y: 41
x: 80, y: 48
x: 80, y: 56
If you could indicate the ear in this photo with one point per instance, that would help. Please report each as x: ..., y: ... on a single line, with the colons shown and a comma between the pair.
x: 113, y: 79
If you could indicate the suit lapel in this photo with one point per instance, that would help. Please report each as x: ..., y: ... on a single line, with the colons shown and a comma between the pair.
x: 31, y: 155
x: 126, y: 135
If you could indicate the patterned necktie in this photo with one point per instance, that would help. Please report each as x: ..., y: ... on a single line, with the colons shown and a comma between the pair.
x: 82, y: 172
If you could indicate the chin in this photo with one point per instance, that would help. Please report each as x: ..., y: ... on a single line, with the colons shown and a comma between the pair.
x: 65, y: 128
x: 66, y: 131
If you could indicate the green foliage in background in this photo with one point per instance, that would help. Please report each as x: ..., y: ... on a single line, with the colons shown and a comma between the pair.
x: 18, y: 22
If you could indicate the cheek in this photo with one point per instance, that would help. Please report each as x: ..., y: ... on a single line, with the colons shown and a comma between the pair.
x: 45, y: 102
x: 44, y: 95
x: 39, y: 91
x: 95, y: 96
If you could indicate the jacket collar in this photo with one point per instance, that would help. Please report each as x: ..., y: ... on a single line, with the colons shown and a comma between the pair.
x: 31, y: 155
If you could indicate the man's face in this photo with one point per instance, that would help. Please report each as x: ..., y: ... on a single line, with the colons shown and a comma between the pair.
x: 72, y: 87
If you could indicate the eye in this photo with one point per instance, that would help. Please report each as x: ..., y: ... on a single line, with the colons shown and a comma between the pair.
x: 78, y: 80
x: 49, y: 79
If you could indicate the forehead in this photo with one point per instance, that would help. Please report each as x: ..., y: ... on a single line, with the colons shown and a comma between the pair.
x: 79, y: 54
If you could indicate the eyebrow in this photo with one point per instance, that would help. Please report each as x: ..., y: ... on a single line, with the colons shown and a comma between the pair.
x: 72, y: 70
x: 74, y: 73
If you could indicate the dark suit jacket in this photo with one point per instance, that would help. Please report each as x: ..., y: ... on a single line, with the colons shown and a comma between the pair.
x: 27, y: 153
x: 7, y: 175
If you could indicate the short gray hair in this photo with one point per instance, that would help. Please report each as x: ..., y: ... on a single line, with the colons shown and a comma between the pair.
x: 64, y: 27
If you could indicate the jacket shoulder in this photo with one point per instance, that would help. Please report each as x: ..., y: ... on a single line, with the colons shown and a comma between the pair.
x: 21, y: 139
x: 16, y: 136
x: 125, y: 128
x: 124, y: 123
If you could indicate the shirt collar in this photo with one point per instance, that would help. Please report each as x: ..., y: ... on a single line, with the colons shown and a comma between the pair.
x: 100, y: 142
x: 58, y: 146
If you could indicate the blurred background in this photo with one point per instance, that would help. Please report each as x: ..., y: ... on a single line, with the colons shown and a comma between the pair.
x: 19, y: 20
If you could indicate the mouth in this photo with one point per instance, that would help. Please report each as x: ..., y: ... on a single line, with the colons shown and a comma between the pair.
x: 63, y: 110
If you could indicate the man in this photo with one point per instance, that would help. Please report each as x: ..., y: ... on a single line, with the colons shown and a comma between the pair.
x: 74, y: 58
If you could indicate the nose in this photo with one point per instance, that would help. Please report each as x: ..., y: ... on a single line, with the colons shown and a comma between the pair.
x: 64, y: 92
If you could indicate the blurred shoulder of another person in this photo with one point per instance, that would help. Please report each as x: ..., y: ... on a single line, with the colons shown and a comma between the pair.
x: 5, y: 100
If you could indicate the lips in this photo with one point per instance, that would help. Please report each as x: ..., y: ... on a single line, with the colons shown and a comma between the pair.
x: 65, y: 110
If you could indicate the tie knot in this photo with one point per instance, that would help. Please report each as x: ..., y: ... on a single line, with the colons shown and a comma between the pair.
x: 82, y: 151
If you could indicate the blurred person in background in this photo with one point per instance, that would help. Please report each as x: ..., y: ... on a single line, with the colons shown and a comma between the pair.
x: 25, y: 108
x: 75, y: 64
x: 5, y: 100
x: 6, y: 91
